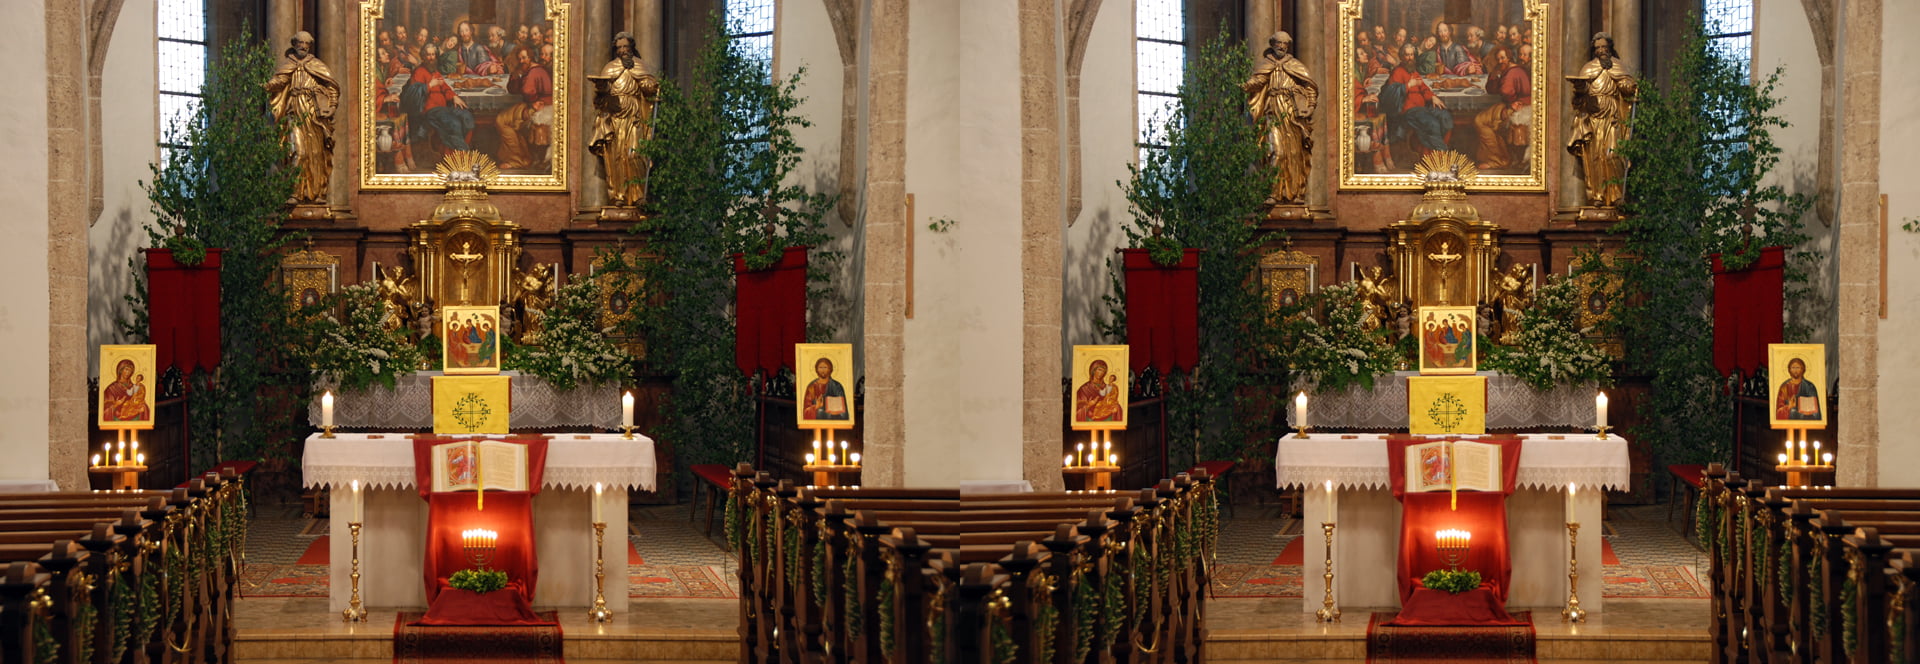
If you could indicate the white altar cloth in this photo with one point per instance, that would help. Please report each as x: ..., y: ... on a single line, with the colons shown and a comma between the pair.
x: 393, y: 538
x: 1367, y: 519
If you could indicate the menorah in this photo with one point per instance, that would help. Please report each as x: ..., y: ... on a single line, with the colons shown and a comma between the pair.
x: 479, y: 544
x: 1453, y: 546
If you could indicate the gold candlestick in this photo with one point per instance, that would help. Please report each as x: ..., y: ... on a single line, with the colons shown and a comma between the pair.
x: 1573, y: 612
x: 599, y: 613
x: 1302, y: 432
x: 326, y: 432
x: 354, y: 611
x: 1603, y: 431
x: 1328, y: 612
x: 626, y: 433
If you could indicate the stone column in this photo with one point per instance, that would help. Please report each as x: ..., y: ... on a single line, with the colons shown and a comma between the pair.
x: 67, y: 201
x: 1859, y: 449
x: 596, y: 39
x: 644, y: 21
x: 884, y: 279
x: 283, y: 19
x: 1319, y: 41
x: 1040, y: 254
x: 1574, y: 36
x: 1625, y: 27
x: 339, y: 37
x: 1261, y: 22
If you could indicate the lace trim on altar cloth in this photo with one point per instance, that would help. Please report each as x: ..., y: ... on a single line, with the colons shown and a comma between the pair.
x: 1344, y: 477
x: 1375, y: 477
x: 1511, y: 404
x: 409, y: 406
x: 400, y: 477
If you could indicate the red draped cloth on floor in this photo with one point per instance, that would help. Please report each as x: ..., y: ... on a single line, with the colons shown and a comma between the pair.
x: 1479, y: 512
x: 1747, y: 311
x: 509, y: 513
x: 770, y: 310
x: 1163, y: 315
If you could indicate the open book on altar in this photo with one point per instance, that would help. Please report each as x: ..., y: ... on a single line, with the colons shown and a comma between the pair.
x: 1453, y: 464
x: 475, y: 465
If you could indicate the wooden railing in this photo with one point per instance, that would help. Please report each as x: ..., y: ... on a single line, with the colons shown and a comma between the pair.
x: 1811, y: 574
x: 121, y: 577
x: 912, y: 575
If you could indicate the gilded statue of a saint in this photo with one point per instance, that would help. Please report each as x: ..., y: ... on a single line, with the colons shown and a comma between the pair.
x: 624, y: 95
x: 1377, y: 294
x: 1513, y: 290
x: 303, y: 94
x: 1603, y: 95
x: 1281, y: 97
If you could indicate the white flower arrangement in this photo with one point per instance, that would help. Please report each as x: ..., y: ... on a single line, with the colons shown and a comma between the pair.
x: 1335, y: 351
x: 360, y: 352
x: 573, y: 350
x: 1552, y: 349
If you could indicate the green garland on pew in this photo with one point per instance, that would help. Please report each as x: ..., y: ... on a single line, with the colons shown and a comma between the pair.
x: 1005, y: 651
x: 1113, y: 607
x: 754, y: 541
x: 1706, y: 518
x: 46, y: 649
x: 1785, y: 574
x: 176, y: 564
x: 1849, y: 628
x: 733, y: 522
x: 149, y: 609
x: 123, y: 597
x: 1086, y: 614
x: 1048, y: 623
x: 1761, y: 547
x: 937, y: 624
x: 1817, y: 594
x: 820, y: 574
x: 849, y: 571
x: 886, y: 616
x: 1898, y: 639
x: 790, y: 541
x: 85, y: 621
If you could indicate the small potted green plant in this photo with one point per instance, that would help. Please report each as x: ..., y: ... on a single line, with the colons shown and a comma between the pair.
x: 478, y: 581
x: 1453, y: 581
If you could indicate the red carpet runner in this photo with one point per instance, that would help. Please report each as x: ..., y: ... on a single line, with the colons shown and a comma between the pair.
x: 478, y: 645
x: 1420, y: 645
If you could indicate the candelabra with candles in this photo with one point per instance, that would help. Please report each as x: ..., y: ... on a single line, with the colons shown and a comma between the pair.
x: 479, y: 545
x: 1095, y: 462
x: 1328, y: 611
x: 826, y: 466
x: 1800, y: 462
x: 121, y: 465
x: 1453, y: 546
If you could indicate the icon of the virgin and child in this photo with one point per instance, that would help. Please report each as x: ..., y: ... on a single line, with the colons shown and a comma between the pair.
x: 125, y: 399
x: 1098, y: 399
x: 1798, y: 398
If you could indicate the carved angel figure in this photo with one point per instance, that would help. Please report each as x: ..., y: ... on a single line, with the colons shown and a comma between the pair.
x: 397, y: 292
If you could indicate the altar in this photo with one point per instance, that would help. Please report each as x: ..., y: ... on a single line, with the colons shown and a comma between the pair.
x: 1367, y: 518
x: 393, y: 539
x: 409, y: 405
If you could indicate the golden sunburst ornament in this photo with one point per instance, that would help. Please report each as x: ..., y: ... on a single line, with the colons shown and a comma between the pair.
x: 467, y: 167
x: 1447, y: 166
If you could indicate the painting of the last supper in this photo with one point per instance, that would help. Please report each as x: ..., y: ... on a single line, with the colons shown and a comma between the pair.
x: 444, y: 76
x: 1424, y: 76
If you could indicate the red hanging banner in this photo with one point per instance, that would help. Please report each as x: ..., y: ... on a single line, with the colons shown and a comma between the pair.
x: 770, y: 311
x: 1748, y: 311
x: 183, y: 310
x: 1163, y: 311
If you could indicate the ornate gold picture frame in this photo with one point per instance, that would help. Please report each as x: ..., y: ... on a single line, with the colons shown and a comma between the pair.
x: 478, y: 68
x: 128, y: 377
x: 310, y: 275
x: 1100, y: 388
x: 1447, y: 340
x: 470, y: 340
x: 823, y: 388
x: 1385, y: 126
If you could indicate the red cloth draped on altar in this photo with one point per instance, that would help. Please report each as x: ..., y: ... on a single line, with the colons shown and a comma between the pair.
x: 509, y: 513
x: 1482, y: 513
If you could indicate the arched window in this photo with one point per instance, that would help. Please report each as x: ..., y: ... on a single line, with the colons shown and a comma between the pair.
x: 1729, y: 25
x: 1160, y: 59
x: 750, y: 22
x: 183, y: 65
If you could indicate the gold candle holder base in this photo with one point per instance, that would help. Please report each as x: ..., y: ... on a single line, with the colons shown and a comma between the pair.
x: 1573, y: 612
x: 355, y: 612
x: 1328, y: 611
x: 1301, y: 432
x: 626, y: 433
x: 1601, y: 432
x: 599, y: 613
x: 326, y: 432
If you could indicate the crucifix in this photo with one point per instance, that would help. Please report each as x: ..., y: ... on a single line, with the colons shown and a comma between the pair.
x: 466, y: 260
x: 1444, y: 261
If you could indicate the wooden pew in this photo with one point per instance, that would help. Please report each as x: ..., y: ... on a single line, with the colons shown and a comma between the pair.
x: 869, y: 575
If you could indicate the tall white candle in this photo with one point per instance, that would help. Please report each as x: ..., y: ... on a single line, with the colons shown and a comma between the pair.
x: 326, y: 409
x: 626, y: 409
x: 1600, y: 410
x: 598, y: 489
x: 1572, y: 503
x: 1079, y: 452
x: 1810, y: 459
x: 1300, y: 411
x: 353, y: 501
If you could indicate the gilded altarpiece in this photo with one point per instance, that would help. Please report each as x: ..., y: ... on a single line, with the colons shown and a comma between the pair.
x: 1287, y: 275
x: 310, y: 275
x: 465, y: 253
x: 1473, y: 89
x: 1443, y: 252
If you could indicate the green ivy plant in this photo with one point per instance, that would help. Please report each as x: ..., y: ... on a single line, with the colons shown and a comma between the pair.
x: 723, y: 154
x: 1453, y: 581
x: 1202, y: 191
x: 573, y: 350
x: 1552, y: 350
x: 1700, y: 154
x: 226, y: 187
x: 478, y: 580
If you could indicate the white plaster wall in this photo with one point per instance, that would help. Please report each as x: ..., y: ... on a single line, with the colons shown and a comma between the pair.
x: 1106, y: 148
x: 23, y: 256
x: 1899, y: 161
x: 130, y: 134
x: 804, y: 40
x: 963, y: 345
x: 1784, y: 40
